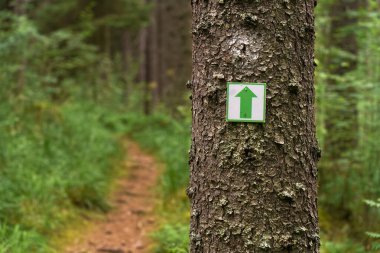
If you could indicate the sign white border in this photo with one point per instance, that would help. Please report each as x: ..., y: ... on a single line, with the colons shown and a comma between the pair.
x: 228, y: 102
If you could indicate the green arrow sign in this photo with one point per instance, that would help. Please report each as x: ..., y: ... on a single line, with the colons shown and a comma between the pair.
x: 246, y: 96
x: 246, y: 102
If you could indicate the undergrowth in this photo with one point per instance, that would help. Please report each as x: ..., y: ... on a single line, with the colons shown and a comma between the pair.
x: 56, y: 150
x: 52, y: 163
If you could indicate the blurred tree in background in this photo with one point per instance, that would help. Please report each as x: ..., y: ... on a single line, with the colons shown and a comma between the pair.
x: 165, y: 54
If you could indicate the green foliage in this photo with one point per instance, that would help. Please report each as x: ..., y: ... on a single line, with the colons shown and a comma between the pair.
x: 56, y: 149
x: 172, y: 239
x: 368, y: 74
x: 372, y: 235
x: 77, y: 14
x: 50, y: 166
x: 16, y: 240
x: 372, y: 203
x: 341, y: 247
x: 101, y: 23
x: 347, y: 83
x: 170, y: 140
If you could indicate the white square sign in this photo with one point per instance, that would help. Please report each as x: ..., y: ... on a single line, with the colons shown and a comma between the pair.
x: 246, y: 102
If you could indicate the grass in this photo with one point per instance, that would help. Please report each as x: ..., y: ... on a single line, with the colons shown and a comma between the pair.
x: 54, y: 161
x: 16, y: 240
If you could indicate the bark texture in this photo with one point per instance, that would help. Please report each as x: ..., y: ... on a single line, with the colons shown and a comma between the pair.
x: 254, y: 186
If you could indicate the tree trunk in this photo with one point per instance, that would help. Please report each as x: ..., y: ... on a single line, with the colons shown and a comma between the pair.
x: 342, y: 138
x: 175, y: 57
x: 342, y: 125
x: 168, y: 42
x: 145, y: 68
x: 156, y: 52
x: 254, y: 186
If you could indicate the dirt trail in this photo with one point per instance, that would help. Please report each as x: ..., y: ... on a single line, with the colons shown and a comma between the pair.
x: 126, y: 228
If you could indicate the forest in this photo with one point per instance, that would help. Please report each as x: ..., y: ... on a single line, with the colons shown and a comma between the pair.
x: 80, y: 79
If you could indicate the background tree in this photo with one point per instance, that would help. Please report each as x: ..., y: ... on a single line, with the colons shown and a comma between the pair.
x: 166, y: 54
x: 341, y: 137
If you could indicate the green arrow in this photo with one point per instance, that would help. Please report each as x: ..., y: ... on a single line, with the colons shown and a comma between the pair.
x: 246, y: 96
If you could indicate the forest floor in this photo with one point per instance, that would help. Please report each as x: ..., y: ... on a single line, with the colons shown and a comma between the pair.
x: 126, y: 228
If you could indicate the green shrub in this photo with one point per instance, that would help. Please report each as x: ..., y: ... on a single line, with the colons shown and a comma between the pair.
x: 169, y: 139
x: 172, y: 238
x: 55, y: 149
x: 341, y: 247
x: 374, y: 236
x: 50, y: 167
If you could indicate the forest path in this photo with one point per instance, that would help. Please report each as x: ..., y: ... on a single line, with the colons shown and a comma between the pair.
x: 126, y: 228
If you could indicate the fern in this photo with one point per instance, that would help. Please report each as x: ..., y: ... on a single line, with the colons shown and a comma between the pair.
x: 372, y: 203
x: 373, y: 235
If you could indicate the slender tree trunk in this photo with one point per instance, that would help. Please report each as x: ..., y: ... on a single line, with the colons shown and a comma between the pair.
x: 145, y: 68
x: 19, y: 6
x: 20, y: 9
x: 156, y: 52
x: 341, y: 138
x: 254, y: 186
x: 168, y: 42
x: 342, y: 125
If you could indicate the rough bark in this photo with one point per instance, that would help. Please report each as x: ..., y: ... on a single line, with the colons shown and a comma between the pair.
x: 254, y: 186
